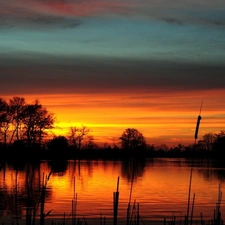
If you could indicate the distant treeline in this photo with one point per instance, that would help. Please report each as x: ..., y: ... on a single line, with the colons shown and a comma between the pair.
x: 25, y: 132
x: 59, y: 148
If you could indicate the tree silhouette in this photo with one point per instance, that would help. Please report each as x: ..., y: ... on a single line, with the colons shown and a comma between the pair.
x: 131, y: 138
x: 16, y: 107
x: 20, y: 121
x: 58, y: 143
x: 36, y: 121
x: 58, y: 148
x: 4, y: 120
x: 208, y: 141
x: 77, y: 136
x: 219, y: 144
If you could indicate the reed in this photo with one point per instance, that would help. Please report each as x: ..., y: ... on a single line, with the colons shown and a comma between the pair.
x: 115, y: 203
x: 133, y: 210
x: 42, y: 198
x: 217, y: 213
x: 74, y: 203
x: 131, y: 189
x: 102, y: 220
x: 134, y: 216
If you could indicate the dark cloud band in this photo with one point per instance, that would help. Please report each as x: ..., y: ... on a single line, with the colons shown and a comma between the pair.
x: 103, y: 75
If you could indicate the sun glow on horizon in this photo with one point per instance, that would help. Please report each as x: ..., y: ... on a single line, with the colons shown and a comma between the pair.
x: 162, y: 119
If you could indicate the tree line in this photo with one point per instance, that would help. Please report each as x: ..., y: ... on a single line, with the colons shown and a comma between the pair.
x: 28, y: 126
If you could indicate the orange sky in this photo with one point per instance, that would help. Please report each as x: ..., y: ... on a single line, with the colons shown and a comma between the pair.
x: 110, y: 65
x: 163, y: 118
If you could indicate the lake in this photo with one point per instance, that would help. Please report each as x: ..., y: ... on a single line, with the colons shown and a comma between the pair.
x: 156, y: 188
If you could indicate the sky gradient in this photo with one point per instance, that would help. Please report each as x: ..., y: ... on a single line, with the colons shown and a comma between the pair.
x: 110, y: 65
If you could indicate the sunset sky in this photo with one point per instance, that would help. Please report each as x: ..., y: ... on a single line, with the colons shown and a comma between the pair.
x: 114, y: 64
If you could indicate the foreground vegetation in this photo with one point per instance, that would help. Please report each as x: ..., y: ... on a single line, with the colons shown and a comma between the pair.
x: 26, y: 200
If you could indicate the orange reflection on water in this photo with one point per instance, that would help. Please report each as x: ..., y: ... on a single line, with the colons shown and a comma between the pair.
x: 160, y: 186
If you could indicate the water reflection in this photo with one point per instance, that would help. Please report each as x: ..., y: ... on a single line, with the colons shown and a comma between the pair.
x: 132, y: 169
x: 58, y: 166
x: 209, y: 174
x: 18, y: 165
x: 29, y: 191
x: 22, y: 191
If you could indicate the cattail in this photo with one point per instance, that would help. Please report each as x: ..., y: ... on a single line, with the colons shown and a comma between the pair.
x: 197, y: 127
x: 198, y: 123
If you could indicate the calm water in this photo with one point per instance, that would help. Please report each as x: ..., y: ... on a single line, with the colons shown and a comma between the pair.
x: 159, y: 186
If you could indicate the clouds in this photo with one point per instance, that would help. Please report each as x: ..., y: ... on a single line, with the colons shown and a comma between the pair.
x: 103, y: 76
x: 26, y: 13
x: 67, y: 45
x: 35, y: 13
x: 141, y: 57
x: 115, y: 38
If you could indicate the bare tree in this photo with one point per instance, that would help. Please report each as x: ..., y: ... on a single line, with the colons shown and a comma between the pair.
x: 89, y: 142
x: 22, y: 121
x: 36, y: 121
x: 4, y: 120
x: 77, y: 136
x: 17, y: 106
x: 208, y: 140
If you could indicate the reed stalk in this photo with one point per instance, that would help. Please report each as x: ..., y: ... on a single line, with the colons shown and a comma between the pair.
x: 138, y: 215
x: 74, y: 203
x: 133, y: 211
x: 115, y: 203
x: 100, y: 218
x: 128, y: 213
x: 42, y: 205
x: 131, y: 188
x: 217, y: 214
x: 189, y: 194
x: 202, y: 221
x: 192, y: 210
x: 72, y: 212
